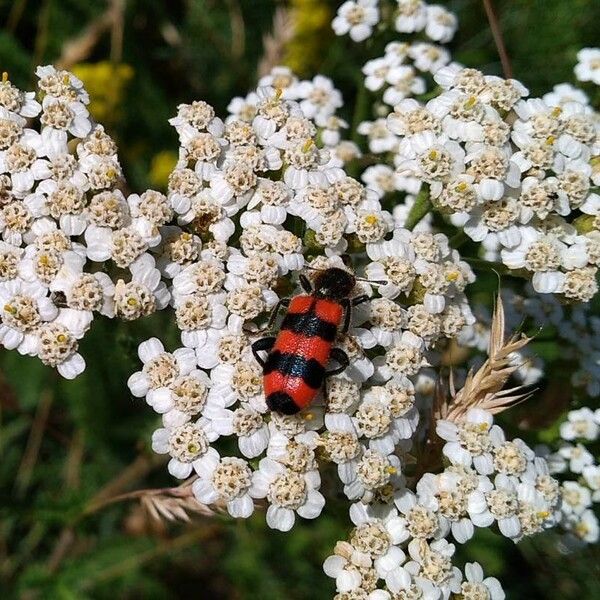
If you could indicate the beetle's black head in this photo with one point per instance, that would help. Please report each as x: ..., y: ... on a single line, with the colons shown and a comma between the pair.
x: 334, y: 284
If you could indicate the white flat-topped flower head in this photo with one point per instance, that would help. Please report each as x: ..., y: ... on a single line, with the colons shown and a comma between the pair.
x: 224, y: 481
x: 287, y: 492
x: 356, y: 18
x: 588, y: 65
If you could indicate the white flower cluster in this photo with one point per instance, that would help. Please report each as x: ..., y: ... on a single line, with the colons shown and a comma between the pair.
x: 318, y: 100
x: 254, y: 199
x: 406, y: 68
x: 515, y: 492
x: 357, y: 18
x: 515, y: 174
x: 396, y: 76
x: 400, y: 540
x: 66, y: 227
x: 580, y: 474
x: 405, y: 71
x: 400, y: 73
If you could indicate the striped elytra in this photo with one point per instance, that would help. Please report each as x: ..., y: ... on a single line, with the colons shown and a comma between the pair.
x: 296, y: 364
x: 294, y: 370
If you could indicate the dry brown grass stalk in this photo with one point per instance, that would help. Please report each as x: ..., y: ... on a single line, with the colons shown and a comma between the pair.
x: 34, y: 442
x: 164, y: 507
x: 175, y: 504
x: 274, y: 43
x: 168, y: 504
x: 498, y: 38
x: 79, y: 48
x: 484, y: 388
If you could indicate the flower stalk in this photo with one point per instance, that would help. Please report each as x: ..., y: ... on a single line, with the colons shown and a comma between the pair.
x: 420, y: 208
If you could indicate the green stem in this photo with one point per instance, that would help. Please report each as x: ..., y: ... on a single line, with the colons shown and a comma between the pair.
x: 436, y: 91
x: 361, y: 108
x: 361, y: 112
x: 419, y: 209
x: 459, y: 239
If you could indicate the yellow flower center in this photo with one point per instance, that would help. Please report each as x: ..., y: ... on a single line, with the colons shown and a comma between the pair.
x: 470, y: 103
x: 308, y: 144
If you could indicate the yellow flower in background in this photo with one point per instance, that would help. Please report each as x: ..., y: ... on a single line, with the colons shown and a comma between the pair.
x: 162, y: 164
x: 312, y: 28
x: 106, y: 83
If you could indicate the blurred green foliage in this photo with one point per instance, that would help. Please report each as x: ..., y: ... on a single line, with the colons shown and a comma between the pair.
x: 66, y: 446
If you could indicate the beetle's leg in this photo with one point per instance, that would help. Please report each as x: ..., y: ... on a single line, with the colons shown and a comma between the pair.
x: 347, y: 315
x: 360, y: 299
x: 341, y: 357
x: 348, y: 304
x: 324, y: 390
x: 283, y: 303
x: 305, y: 283
x: 264, y: 344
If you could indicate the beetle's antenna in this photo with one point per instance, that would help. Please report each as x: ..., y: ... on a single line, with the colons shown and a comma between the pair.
x: 373, y: 281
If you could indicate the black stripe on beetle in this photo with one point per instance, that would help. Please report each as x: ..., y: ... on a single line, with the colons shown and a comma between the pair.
x: 310, y: 370
x: 282, y: 402
x: 309, y: 325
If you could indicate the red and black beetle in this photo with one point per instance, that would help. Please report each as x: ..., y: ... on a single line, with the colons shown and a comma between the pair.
x: 295, y: 367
